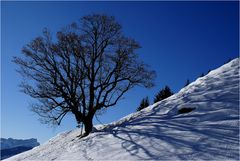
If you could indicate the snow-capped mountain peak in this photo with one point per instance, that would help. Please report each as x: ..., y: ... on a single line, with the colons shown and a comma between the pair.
x: 11, y: 147
x: 12, y: 143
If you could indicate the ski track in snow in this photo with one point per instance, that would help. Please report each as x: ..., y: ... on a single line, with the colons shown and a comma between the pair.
x: 210, y: 132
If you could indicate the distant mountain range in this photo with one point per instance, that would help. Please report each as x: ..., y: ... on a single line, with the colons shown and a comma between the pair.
x: 10, y: 146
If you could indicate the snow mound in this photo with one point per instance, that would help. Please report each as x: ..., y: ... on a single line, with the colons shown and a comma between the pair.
x: 159, y: 132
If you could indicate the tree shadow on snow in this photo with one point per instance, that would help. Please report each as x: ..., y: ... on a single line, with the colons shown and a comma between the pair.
x: 185, y: 137
x: 199, y: 135
x: 165, y: 140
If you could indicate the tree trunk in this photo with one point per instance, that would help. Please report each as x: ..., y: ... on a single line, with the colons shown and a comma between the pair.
x: 88, y: 124
x: 78, y: 116
x: 87, y: 121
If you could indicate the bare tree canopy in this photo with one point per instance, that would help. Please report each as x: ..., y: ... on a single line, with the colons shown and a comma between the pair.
x: 87, y: 67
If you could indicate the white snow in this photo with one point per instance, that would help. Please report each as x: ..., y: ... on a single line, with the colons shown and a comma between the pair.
x: 210, y: 132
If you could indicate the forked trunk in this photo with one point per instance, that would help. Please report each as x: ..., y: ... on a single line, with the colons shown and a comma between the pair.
x: 87, y: 121
x: 88, y: 126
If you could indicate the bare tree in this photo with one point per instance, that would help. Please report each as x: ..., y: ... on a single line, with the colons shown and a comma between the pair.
x: 87, y: 67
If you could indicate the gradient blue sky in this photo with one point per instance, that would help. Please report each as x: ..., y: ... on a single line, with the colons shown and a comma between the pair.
x: 180, y: 40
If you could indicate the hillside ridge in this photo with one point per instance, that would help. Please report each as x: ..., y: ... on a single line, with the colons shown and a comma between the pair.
x: 159, y: 132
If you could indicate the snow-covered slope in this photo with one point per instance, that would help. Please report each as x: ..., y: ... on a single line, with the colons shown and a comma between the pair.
x: 210, y: 132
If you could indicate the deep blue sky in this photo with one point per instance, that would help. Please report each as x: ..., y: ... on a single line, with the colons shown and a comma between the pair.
x: 180, y: 40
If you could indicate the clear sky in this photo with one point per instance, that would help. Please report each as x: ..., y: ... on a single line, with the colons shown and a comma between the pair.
x: 180, y: 40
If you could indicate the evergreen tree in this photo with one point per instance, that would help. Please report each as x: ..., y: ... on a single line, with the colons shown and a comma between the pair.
x: 144, y: 103
x: 187, y: 83
x: 202, y: 75
x: 209, y: 71
x: 162, y: 94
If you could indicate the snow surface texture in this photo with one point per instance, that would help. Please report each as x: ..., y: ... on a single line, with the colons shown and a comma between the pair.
x: 210, y: 132
x: 12, y: 143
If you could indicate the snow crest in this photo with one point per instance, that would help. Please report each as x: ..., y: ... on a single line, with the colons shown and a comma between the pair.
x: 210, y: 132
